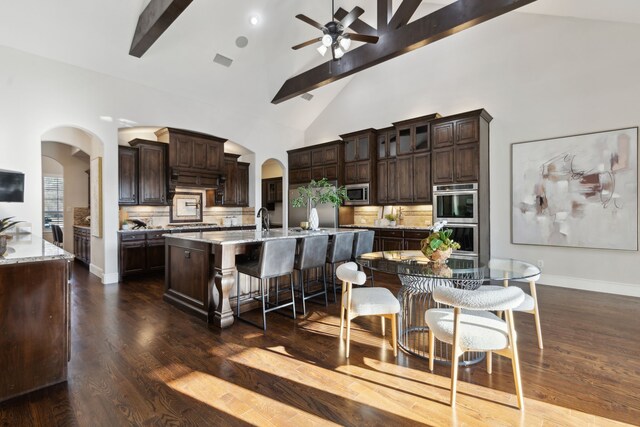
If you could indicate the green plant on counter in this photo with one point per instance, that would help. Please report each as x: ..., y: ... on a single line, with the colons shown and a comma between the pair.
x: 318, y: 192
x: 438, y: 241
x: 6, y: 223
x: 390, y: 217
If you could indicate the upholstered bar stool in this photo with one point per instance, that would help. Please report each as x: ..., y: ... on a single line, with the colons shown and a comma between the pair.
x: 340, y: 250
x: 275, y: 260
x: 312, y: 253
x: 363, y: 244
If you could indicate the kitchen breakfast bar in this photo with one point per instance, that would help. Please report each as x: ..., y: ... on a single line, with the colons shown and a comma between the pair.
x: 200, y: 275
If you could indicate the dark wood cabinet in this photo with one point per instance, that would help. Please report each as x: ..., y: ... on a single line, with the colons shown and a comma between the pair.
x: 243, y: 184
x: 82, y: 244
x: 404, y: 179
x: 152, y: 178
x: 386, y: 150
x: 141, y: 252
x: 231, y: 180
x: 316, y: 162
x: 360, y: 154
x: 413, y: 178
x: 422, y: 178
x: 442, y: 165
x: 236, y: 183
x: 35, y: 342
x: 413, y: 135
x: 458, y: 143
x: 127, y: 176
x: 194, y: 159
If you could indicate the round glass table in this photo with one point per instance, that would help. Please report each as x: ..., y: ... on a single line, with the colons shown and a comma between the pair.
x: 418, y: 276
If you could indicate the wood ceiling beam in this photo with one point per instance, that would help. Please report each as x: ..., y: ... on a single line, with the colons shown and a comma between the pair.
x: 385, y: 12
x: 358, y: 25
x: 153, y: 21
x: 405, y: 11
x: 442, y: 23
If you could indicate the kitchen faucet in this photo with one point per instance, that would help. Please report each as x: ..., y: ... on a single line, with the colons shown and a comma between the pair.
x: 265, y: 218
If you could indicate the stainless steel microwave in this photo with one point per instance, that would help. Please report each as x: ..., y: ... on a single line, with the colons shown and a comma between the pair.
x: 358, y: 194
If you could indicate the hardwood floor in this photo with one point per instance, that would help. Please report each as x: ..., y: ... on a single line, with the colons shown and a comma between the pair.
x: 139, y: 361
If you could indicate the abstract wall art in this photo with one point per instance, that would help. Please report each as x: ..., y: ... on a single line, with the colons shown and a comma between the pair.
x: 576, y: 191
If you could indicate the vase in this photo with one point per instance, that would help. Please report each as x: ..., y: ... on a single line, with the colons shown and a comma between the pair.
x: 440, y: 257
x: 3, y: 244
x: 314, y: 221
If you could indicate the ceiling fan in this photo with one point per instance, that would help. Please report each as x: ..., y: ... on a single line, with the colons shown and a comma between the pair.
x: 334, y: 36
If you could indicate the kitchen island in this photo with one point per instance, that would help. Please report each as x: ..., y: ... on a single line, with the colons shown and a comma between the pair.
x: 200, y: 274
x: 34, y: 314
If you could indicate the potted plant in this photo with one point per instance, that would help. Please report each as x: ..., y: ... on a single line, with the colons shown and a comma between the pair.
x: 318, y: 192
x: 439, y: 245
x: 5, y: 224
x: 391, y: 218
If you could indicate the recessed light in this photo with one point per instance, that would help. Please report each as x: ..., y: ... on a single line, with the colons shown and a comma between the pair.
x: 106, y: 118
x: 254, y: 20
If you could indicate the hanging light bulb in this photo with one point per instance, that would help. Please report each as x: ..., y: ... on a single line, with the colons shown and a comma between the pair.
x: 327, y: 40
x: 322, y: 50
x: 345, y: 43
x: 338, y: 52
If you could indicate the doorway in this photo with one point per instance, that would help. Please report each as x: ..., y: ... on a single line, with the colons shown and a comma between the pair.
x: 272, y: 191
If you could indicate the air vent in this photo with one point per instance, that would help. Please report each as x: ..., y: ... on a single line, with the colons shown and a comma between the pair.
x: 306, y: 96
x: 223, y: 60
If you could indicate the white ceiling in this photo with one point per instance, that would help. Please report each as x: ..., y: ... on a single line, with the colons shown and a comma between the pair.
x: 81, y: 33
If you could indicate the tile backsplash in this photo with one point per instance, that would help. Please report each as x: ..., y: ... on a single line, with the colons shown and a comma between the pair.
x: 159, y: 215
x: 415, y: 215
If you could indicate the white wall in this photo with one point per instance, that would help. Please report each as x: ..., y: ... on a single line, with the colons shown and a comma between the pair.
x: 38, y: 94
x: 540, y: 77
x: 76, y: 184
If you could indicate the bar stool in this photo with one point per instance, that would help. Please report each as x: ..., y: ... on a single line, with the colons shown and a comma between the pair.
x: 312, y: 252
x: 275, y: 260
x: 362, y: 244
x: 340, y: 250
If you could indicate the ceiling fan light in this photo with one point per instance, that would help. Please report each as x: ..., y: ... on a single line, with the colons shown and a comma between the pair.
x: 322, y: 50
x: 345, y: 43
x: 339, y: 53
x: 327, y: 40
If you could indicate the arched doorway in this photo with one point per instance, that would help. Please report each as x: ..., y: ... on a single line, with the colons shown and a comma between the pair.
x: 80, y: 153
x: 273, y: 191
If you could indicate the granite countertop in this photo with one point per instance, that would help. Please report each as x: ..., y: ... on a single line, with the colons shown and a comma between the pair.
x: 86, y: 227
x: 394, y: 227
x: 184, y: 227
x: 30, y: 248
x: 253, y: 236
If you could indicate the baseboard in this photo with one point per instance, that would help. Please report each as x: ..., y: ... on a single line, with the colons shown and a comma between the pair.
x: 110, y: 278
x: 627, y: 289
x: 96, y: 271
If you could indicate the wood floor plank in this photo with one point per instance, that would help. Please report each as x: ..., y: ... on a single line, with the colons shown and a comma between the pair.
x: 138, y: 361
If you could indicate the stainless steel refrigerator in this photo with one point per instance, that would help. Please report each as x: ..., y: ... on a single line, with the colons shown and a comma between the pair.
x: 327, y: 214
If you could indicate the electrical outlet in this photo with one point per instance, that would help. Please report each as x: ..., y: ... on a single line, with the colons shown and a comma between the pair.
x: 540, y: 263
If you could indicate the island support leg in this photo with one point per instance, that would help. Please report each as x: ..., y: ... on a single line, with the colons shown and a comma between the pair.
x: 223, y: 279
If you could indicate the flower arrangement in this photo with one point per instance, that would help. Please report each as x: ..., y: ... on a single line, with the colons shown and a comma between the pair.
x: 318, y: 192
x: 390, y: 217
x: 439, y: 245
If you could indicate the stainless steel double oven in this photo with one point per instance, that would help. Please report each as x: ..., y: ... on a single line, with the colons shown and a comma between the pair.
x: 458, y: 205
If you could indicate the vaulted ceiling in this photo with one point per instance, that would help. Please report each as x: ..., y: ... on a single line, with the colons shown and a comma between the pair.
x: 97, y: 36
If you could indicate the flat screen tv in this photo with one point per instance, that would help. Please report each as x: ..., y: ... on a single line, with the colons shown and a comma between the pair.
x: 11, y: 186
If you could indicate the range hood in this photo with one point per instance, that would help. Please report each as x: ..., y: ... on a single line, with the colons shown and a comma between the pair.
x: 195, y: 160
